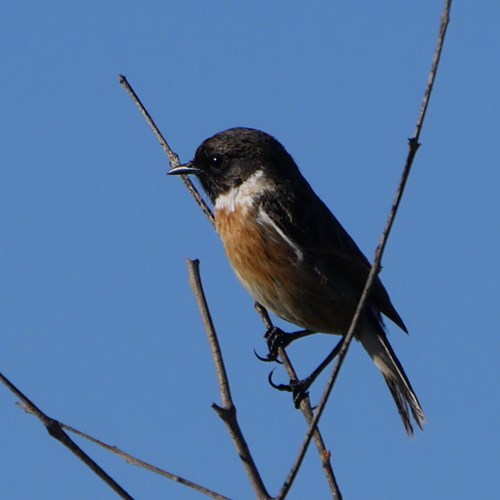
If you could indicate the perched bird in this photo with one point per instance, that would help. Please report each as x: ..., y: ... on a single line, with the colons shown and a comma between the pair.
x: 291, y: 253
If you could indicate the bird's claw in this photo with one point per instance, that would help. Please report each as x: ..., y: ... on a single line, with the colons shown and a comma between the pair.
x: 267, y: 359
x: 298, y: 388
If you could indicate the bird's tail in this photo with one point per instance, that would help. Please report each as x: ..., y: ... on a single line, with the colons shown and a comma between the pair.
x: 379, y: 349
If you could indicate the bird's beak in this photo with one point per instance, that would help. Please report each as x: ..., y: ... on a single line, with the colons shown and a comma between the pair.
x: 186, y: 168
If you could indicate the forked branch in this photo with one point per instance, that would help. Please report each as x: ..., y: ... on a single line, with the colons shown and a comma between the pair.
x: 227, y: 412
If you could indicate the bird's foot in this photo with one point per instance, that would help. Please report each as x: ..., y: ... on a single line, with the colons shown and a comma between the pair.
x: 275, y: 338
x: 298, y: 388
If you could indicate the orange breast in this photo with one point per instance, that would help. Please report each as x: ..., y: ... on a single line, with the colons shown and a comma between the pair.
x: 273, y: 274
x: 257, y: 257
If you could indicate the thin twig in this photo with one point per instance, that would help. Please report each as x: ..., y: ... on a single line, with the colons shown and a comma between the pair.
x: 305, y: 407
x: 54, y: 428
x: 130, y: 458
x: 197, y: 287
x: 173, y: 158
x: 145, y: 465
x: 227, y: 412
x: 445, y: 21
x: 413, y: 147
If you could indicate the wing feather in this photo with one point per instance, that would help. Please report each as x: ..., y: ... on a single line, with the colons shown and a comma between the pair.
x: 308, y: 222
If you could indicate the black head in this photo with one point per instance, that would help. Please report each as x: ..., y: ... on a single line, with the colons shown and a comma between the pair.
x: 227, y: 159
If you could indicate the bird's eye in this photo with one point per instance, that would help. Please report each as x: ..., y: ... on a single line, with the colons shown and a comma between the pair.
x: 216, y: 162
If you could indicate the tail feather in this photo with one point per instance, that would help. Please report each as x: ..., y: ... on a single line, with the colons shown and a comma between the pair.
x: 379, y: 349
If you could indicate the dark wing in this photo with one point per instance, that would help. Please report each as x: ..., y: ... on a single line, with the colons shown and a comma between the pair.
x: 308, y: 222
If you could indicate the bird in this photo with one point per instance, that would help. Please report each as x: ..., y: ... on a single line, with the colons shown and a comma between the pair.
x: 291, y: 253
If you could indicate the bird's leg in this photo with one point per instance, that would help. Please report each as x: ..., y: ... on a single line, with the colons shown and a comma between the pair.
x: 276, y: 338
x: 299, y: 388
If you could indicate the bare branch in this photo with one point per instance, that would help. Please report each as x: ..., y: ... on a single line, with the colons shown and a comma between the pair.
x: 305, y: 407
x: 445, y: 21
x: 227, y: 412
x: 131, y: 459
x: 197, y: 287
x: 145, y: 465
x: 173, y: 158
x: 54, y: 428
x: 413, y: 147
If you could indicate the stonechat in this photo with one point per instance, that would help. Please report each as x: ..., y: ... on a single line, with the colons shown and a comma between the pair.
x: 291, y: 253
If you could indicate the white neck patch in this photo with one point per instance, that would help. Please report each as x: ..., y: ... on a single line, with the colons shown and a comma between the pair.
x: 244, y: 195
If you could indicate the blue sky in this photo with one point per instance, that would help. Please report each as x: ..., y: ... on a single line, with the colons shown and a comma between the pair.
x: 99, y: 326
